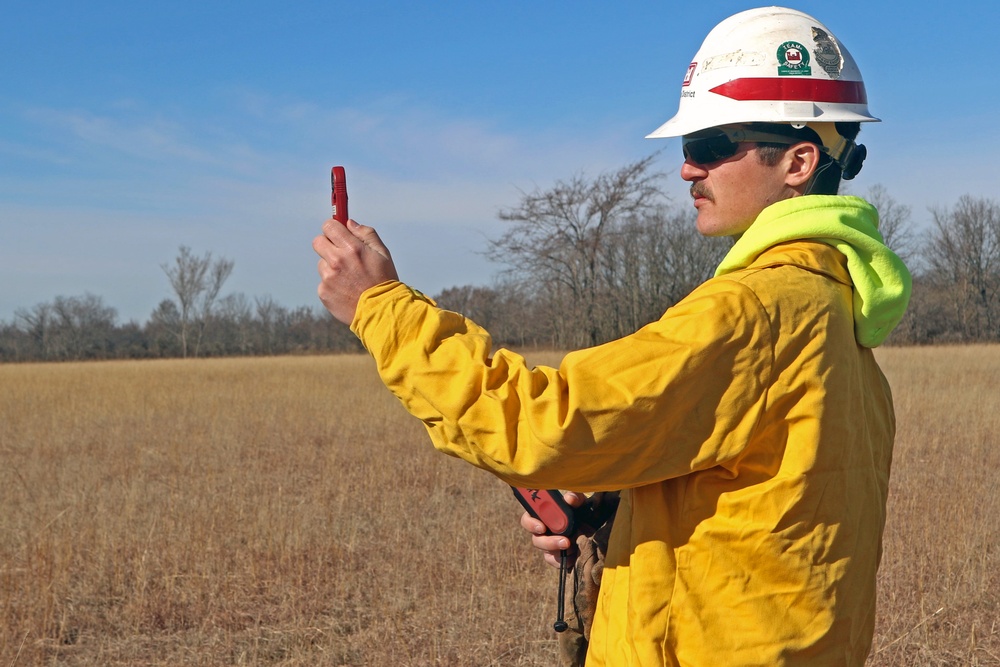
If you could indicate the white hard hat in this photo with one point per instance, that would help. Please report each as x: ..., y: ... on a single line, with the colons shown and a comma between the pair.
x: 769, y: 65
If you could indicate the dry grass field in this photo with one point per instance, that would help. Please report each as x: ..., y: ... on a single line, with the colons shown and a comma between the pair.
x: 288, y: 512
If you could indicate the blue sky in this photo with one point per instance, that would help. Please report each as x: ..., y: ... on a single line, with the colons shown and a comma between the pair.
x: 128, y: 129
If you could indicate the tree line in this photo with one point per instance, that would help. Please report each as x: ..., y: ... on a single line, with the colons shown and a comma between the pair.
x: 585, y: 261
x: 197, y: 322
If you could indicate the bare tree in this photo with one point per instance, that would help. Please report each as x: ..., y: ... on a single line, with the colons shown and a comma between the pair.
x: 654, y: 262
x: 963, y: 254
x: 197, y: 282
x: 76, y: 327
x: 503, y: 309
x: 272, y: 325
x: 85, y: 326
x: 37, y: 323
x: 893, y: 222
x: 558, y: 237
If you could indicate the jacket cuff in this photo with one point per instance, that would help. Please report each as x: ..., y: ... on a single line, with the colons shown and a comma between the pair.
x: 379, y: 308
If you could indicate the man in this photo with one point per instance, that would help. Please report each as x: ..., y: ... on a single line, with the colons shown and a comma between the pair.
x: 750, y: 428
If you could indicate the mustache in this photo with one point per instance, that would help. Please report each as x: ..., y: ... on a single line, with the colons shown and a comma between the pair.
x: 701, y: 190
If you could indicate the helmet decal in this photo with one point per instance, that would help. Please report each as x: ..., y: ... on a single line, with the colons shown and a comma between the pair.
x: 690, y: 73
x: 793, y: 60
x: 827, y: 53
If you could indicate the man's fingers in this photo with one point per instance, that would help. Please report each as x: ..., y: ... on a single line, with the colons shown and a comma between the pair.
x: 353, y: 235
x: 322, y: 245
x: 369, y: 237
x: 334, y: 230
x: 553, y: 560
x: 551, y: 543
x: 574, y: 499
x: 532, y: 525
x: 540, y: 537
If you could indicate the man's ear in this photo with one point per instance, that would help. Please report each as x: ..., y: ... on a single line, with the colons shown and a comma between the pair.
x: 801, y: 163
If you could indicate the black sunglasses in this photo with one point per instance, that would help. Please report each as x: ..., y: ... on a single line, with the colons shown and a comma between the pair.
x: 721, y: 144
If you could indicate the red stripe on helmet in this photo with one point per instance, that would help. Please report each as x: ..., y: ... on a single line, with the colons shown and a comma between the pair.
x: 794, y: 89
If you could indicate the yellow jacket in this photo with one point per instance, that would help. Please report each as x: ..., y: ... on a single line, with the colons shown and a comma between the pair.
x: 751, y: 434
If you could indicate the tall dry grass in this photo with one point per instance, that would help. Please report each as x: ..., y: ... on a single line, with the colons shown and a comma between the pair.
x: 288, y: 512
x: 939, y: 582
x: 263, y: 512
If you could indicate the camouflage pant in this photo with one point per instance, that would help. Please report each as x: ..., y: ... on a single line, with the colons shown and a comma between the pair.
x: 581, y: 594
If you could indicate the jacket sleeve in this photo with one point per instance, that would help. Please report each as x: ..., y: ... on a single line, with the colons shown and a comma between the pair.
x: 682, y: 394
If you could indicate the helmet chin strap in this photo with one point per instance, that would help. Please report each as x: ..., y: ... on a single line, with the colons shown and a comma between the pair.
x: 849, y: 162
x: 848, y: 155
x: 812, y: 179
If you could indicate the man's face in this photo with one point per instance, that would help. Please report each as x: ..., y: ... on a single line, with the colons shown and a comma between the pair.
x: 730, y: 193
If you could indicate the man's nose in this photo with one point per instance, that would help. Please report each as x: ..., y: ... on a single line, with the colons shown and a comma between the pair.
x: 691, y: 171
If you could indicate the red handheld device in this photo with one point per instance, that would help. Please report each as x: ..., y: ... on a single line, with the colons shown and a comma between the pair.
x: 548, y: 506
x: 338, y: 198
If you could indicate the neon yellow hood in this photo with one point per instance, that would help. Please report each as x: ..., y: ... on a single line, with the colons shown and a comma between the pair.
x: 882, y: 283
